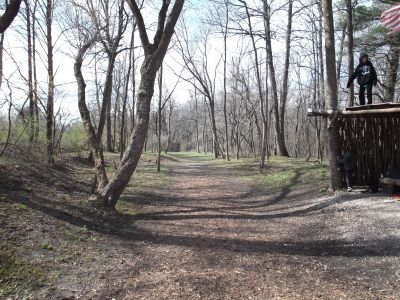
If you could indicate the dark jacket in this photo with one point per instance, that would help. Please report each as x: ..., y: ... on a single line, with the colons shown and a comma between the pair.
x: 347, y: 162
x: 365, y: 73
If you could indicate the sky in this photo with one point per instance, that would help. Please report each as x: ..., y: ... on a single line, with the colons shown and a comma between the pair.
x: 15, y: 59
x: 15, y: 64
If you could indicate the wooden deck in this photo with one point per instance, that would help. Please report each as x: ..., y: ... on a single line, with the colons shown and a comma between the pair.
x: 372, y: 133
x: 371, y: 110
x: 373, y: 106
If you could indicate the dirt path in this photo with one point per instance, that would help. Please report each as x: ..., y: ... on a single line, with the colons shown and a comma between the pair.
x: 212, y: 237
x: 209, y: 235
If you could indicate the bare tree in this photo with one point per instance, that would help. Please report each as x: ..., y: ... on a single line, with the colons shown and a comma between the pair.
x: 350, y: 46
x: 112, y: 23
x: 272, y: 75
x: 259, y: 87
x: 285, y: 85
x: 10, y: 104
x: 30, y: 16
x: 1, y: 57
x: 86, y: 31
x: 392, y: 67
x: 198, y: 67
x: 332, y: 92
x: 124, y: 129
x: 219, y: 18
x: 154, y: 54
x: 50, y: 88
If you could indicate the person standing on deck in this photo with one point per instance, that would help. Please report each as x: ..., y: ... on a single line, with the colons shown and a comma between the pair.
x: 366, y: 78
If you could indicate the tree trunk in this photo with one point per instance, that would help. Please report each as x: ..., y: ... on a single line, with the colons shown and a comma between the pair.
x: 124, y: 126
x: 154, y: 55
x: 350, y: 29
x: 111, y: 193
x: 196, y: 109
x: 94, y: 141
x: 159, y: 121
x: 133, y: 90
x: 169, y: 128
x: 214, y: 129
x: 107, y: 99
x: 30, y: 74
x: 392, y: 68
x: 274, y: 89
x: 321, y: 86
x: 285, y: 85
x: 35, y: 81
x: 50, y: 90
x: 341, y: 52
x: 260, y: 92
x: 225, y: 75
x: 1, y: 57
x: 332, y: 92
x: 9, y: 125
x: 12, y: 9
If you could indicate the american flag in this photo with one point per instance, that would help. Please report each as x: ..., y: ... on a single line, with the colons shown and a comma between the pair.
x: 391, y: 18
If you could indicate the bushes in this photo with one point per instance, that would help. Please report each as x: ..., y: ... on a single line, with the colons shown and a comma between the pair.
x: 74, y: 139
x: 69, y: 138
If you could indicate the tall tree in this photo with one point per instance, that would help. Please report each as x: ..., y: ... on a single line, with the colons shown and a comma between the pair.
x: 259, y: 87
x: 50, y: 83
x: 154, y: 54
x: 350, y: 34
x: 272, y: 75
x: 198, y: 67
x: 124, y: 128
x: 285, y: 84
x: 219, y: 18
x: 331, y: 92
x: 31, y: 96
x: 93, y: 140
x: 159, y: 117
x: 392, y: 67
x: 112, y: 24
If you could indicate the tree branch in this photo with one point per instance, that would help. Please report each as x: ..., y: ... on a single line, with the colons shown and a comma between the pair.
x: 161, y: 22
x: 9, y: 15
x: 140, y: 23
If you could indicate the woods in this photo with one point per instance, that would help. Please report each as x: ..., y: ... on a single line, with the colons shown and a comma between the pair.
x: 270, y: 90
x: 219, y: 149
x: 241, y: 88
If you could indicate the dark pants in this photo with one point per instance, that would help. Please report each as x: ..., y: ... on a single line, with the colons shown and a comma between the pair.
x: 349, y: 178
x: 362, y: 93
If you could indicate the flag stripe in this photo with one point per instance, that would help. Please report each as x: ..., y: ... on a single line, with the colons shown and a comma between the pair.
x: 394, y: 25
x: 393, y: 15
x: 391, y: 18
x: 390, y: 11
x: 392, y: 21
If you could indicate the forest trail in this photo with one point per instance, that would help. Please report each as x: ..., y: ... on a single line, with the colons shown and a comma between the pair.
x: 208, y: 233
x: 214, y: 237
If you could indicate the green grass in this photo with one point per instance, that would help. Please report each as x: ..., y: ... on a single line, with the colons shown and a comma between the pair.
x: 47, y: 246
x: 281, y: 173
x: 146, y: 178
x: 18, y: 277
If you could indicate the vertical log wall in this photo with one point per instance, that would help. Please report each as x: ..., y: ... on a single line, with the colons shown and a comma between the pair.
x: 374, y: 141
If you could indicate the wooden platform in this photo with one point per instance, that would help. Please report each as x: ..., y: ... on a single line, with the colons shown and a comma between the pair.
x: 372, y: 133
x: 373, y: 106
x: 364, y: 110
